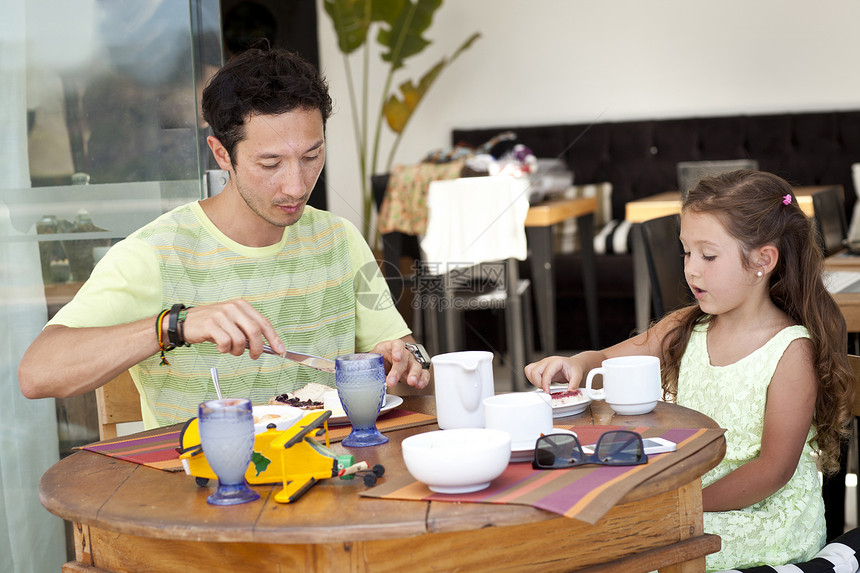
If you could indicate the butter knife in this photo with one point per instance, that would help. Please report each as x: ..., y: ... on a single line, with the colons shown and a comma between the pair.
x: 315, y: 362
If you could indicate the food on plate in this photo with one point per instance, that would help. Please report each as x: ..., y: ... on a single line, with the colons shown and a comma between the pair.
x: 265, y: 418
x: 279, y: 416
x: 309, y: 397
x: 291, y: 400
x: 566, y: 397
x: 331, y: 401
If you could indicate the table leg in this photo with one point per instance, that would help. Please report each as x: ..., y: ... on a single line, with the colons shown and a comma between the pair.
x: 641, y: 282
x: 83, y: 544
x: 585, y: 228
x: 691, y: 526
x: 543, y: 279
x: 514, y: 326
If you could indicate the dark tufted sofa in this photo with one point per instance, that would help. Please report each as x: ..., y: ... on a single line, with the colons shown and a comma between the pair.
x: 639, y: 158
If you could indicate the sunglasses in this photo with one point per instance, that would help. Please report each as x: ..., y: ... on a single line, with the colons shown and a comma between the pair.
x: 614, y: 448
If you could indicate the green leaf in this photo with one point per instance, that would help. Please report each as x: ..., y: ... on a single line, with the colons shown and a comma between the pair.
x: 403, y: 36
x: 352, y: 19
x: 401, y: 24
x: 387, y: 10
x: 350, y: 23
x: 397, y: 114
x: 465, y: 45
x: 399, y: 111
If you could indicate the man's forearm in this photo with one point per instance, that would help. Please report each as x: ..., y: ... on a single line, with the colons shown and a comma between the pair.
x: 65, y: 361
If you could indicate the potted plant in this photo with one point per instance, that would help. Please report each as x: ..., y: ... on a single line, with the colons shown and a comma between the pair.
x: 399, y: 26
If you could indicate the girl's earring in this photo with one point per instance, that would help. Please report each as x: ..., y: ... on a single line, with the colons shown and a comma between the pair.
x: 759, y: 273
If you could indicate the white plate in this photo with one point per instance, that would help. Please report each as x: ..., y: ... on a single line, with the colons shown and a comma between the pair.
x: 519, y: 454
x: 391, y: 402
x: 286, y: 416
x: 568, y: 409
x: 526, y: 452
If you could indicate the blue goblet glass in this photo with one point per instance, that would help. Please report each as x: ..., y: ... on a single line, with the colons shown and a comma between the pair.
x: 227, y: 437
x: 360, y: 380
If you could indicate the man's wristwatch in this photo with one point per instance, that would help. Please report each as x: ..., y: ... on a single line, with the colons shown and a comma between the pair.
x: 419, y: 353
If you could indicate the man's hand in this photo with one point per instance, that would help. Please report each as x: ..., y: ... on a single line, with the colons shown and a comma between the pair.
x: 230, y: 326
x: 401, y: 365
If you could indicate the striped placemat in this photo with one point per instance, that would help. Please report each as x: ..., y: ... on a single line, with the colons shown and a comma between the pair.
x: 395, y: 419
x: 157, y: 448
x: 585, y: 492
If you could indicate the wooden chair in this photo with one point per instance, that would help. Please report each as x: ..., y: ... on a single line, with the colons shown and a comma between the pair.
x: 665, y: 264
x: 486, y: 283
x: 117, y: 402
x: 689, y: 172
x: 833, y: 488
x: 854, y: 362
x: 830, y: 220
x: 837, y: 556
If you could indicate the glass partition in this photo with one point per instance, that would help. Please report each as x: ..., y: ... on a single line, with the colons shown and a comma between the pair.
x: 114, y: 134
x: 102, y: 132
x: 112, y: 89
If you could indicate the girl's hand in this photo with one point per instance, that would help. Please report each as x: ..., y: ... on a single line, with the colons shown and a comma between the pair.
x: 555, y: 369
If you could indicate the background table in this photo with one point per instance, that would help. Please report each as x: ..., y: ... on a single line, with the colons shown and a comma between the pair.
x: 539, y: 221
x: 848, y: 296
x: 131, y: 517
x: 669, y: 203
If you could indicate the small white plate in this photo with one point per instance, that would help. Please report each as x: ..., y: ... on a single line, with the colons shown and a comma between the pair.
x: 390, y: 403
x: 569, y: 409
x: 522, y: 454
x: 285, y: 416
x: 526, y: 452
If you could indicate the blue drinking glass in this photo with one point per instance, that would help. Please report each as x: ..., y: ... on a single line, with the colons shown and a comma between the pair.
x: 360, y: 380
x: 227, y: 437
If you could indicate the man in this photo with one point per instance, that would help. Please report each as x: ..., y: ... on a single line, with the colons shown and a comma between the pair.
x: 197, y: 286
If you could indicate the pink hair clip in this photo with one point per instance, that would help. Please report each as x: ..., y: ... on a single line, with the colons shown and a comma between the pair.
x: 786, y: 200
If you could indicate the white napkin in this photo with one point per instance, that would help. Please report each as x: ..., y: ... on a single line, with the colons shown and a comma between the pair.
x: 473, y: 220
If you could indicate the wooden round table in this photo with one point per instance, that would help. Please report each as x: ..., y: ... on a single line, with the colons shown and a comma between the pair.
x: 129, y: 517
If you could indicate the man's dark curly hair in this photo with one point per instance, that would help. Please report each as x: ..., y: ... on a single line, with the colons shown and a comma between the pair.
x: 261, y: 81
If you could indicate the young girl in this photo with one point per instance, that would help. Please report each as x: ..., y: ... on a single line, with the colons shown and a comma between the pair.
x: 763, y: 353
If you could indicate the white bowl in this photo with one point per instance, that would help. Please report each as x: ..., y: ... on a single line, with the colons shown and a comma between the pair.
x: 283, y: 416
x: 634, y: 409
x: 461, y: 460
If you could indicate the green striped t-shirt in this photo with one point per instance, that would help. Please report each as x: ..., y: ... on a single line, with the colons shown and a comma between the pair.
x: 319, y: 287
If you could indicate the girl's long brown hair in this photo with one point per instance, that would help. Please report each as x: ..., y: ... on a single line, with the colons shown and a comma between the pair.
x: 751, y: 207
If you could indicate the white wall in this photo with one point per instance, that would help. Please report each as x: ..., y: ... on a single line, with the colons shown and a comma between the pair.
x: 577, y: 61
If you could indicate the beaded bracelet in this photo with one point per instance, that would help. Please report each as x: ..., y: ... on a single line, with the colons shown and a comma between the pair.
x: 165, y: 347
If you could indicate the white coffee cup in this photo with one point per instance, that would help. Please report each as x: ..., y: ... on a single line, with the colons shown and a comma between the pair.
x: 523, y: 415
x: 631, y: 384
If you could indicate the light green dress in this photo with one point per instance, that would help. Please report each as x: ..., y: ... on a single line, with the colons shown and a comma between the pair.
x: 788, y: 526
